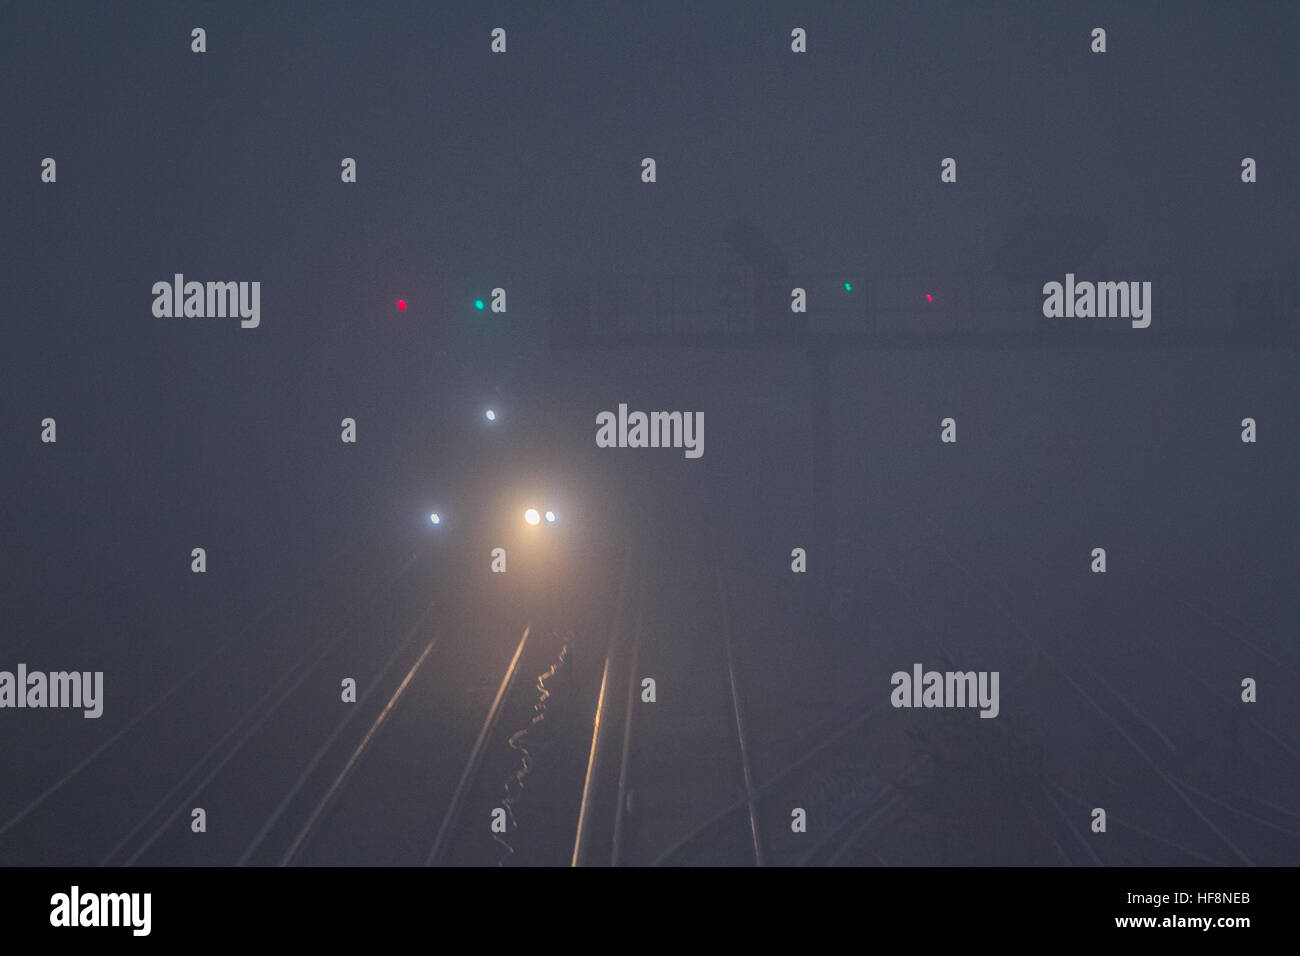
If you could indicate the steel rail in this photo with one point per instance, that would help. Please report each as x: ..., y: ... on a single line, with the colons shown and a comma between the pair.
x: 582, y: 839
x: 260, y: 712
x: 751, y: 795
x: 476, y: 755
x: 325, y: 800
x: 620, y: 808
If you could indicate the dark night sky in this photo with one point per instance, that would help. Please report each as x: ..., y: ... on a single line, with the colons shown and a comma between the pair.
x: 478, y: 170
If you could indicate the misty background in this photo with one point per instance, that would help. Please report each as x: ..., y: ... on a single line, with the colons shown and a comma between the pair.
x: 478, y: 171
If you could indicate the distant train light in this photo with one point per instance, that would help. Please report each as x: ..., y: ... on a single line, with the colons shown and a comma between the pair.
x: 490, y: 415
x: 550, y: 517
x: 435, y: 518
x: 531, y: 516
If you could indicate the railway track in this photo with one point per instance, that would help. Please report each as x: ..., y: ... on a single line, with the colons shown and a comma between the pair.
x: 117, y: 772
x: 670, y: 742
x: 255, y: 734
x: 949, y: 790
x: 445, y: 741
x: 296, y: 777
x: 1166, y: 813
x: 261, y: 744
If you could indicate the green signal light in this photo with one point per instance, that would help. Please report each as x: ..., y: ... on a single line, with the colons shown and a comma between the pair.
x: 848, y: 287
x: 478, y: 304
